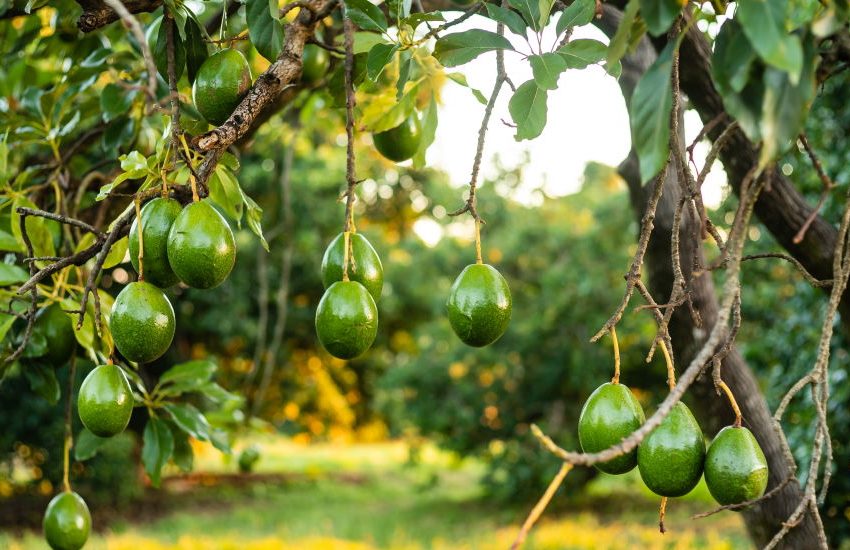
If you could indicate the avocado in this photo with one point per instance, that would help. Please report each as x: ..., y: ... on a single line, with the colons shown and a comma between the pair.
x: 479, y: 305
x: 735, y: 466
x: 221, y: 83
x: 364, y: 267
x: 609, y: 415
x: 67, y: 522
x: 201, y: 248
x: 314, y: 64
x: 105, y: 401
x: 157, y: 217
x: 142, y: 322
x: 402, y: 142
x: 347, y: 320
x: 670, y: 458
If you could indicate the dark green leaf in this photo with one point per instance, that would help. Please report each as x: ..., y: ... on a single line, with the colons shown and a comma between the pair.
x: 405, y: 62
x: 190, y: 376
x: 620, y: 43
x: 378, y: 57
x: 264, y: 28
x: 87, y: 444
x: 429, y: 131
x: 115, y: 101
x: 8, y: 242
x: 530, y: 10
x: 225, y: 192
x: 649, y: 114
x: 157, y: 449
x: 196, y: 48
x: 738, y: 76
x: 183, y: 455
x: 254, y: 217
x: 528, y: 110
x: 511, y: 19
x: 659, y: 14
x: 190, y: 420
x: 160, y: 52
x: 42, y: 379
x: 582, y: 52
x: 366, y: 15
x: 462, y: 47
x: 547, y: 69
x: 580, y: 12
x: 11, y: 274
x: 763, y: 22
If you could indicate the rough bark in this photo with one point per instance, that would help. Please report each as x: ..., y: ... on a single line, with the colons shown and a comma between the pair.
x: 97, y: 14
x: 765, y: 519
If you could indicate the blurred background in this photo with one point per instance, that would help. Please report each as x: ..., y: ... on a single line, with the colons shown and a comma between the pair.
x: 423, y: 442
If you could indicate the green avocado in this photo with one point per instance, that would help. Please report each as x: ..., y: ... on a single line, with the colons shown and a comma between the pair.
x: 248, y: 459
x: 67, y: 522
x: 55, y: 326
x: 479, y: 305
x: 105, y: 401
x: 365, y: 265
x: 221, y: 83
x: 142, y: 322
x: 157, y: 217
x: 735, y: 466
x: 671, y: 457
x: 315, y: 62
x: 609, y: 415
x: 347, y: 320
x: 402, y: 142
x: 201, y: 248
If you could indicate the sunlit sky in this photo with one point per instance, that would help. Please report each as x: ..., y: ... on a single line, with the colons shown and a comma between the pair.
x: 587, y: 121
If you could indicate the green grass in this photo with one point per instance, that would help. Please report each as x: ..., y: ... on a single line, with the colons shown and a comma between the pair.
x: 365, y: 497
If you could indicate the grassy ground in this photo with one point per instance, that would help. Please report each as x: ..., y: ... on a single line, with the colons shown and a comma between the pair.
x: 365, y: 498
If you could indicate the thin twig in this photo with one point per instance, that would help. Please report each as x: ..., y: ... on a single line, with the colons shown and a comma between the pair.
x: 828, y: 185
x: 541, y: 505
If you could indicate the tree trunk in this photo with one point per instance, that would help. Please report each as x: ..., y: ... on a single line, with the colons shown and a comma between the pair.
x: 764, y: 519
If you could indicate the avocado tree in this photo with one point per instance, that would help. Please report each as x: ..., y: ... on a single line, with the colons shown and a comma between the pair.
x: 123, y: 126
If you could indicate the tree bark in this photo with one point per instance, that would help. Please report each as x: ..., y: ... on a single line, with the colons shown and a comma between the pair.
x: 764, y: 519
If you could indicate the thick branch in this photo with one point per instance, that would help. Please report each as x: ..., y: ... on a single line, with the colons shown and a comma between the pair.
x: 96, y: 13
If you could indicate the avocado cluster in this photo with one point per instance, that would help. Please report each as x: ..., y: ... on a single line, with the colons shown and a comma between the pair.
x: 673, y: 457
x: 193, y: 245
x: 347, y: 315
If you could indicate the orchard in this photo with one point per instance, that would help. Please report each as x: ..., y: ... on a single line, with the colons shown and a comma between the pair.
x: 146, y: 247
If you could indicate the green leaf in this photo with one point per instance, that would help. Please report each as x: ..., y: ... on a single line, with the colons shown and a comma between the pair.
x: 510, y: 19
x: 196, y: 48
x: 582, y: 52
x: 620, y: 43
x: 528, y: 110
x: 429, y: 131
x: 649, y: 114
x: 264, y: 28
x: 42, y: 379
x: 547, y: 69
x: 784, y: 107
x: 404, y: 65
x: 190, y: 420
x: 183, y: 455
x: 218, y: 394
x: 580, y: 12
x: 366, y: 15
x: 365, y: 41
x: 460, y: 78
x: 116, y: 253
x: 416, y: 19
x: 545, y: 8
x: 114, y: 101
x: 254, y: 217
x: 456, y: 49
x: 659, y: 14
x: 8, y: 242
x: 737, y: 73
x: 188, y: 376
x: 157, y: 448
x: 226, y: 193
x: 86, y: 445
x: 763, y: 22
x: 378, y: 57
x: 11, y: 274
x: 40, y: 236
x: 160, y: 51
x: 530, y: 11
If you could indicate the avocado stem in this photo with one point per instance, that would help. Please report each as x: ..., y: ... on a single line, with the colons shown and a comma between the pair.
x: 141, y: 239
x: 478, y: 259
x: 662, y: 511
x: 346, y: 254
x: 732, y: 402
x: 616, y: 378
x: 671, y: 371
x: 541, y: 505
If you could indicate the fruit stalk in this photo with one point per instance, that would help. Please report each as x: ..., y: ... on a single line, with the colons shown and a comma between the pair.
x: 671, y: 370
x: 69, y: 437
x: 616, y: 378
x: 138, y: 203
x: 732, y: 402
x: 662, y: 511
x: 350, y: 168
